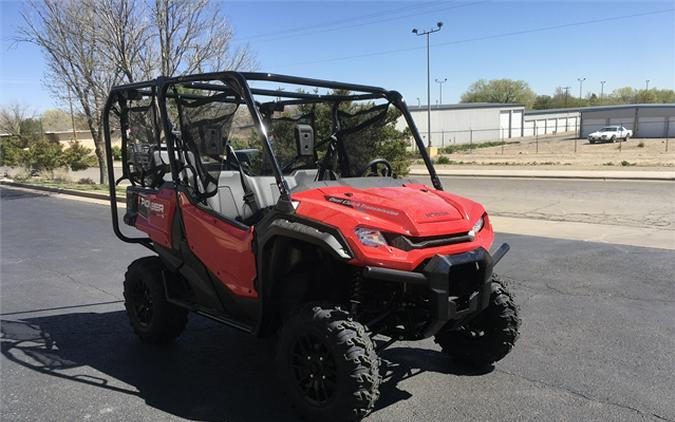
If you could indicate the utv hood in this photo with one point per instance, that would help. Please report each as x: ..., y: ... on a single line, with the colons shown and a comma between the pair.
x: 412, y: 209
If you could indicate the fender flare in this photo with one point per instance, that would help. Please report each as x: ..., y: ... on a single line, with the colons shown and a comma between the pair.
x: 320, y: 235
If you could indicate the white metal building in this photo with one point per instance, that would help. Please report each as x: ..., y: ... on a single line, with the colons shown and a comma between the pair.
x: 471, y: 122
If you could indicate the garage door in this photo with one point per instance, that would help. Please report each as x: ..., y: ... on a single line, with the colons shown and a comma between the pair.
x: 627, y: 122
x: 516, y: 124
x: 528, y: 128
x: 671, y: 127
x: 591, y: 125
x: 651, y: 127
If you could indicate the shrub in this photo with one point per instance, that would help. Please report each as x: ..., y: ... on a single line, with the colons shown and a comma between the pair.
x: 78, y: 157
x: 86, y: 181
x: 608, y: 163
x: 12, y: 151
x: 450, y: 149
x: 116, y: 152
x: 641, y: 144
x: 625, y: 163
x: 43, y: 156
x: 442, y: 159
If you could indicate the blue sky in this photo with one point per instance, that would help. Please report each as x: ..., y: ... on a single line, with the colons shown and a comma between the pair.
x: 623, y: 51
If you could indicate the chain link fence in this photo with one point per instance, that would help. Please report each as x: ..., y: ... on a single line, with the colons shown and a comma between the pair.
x: 469, y: 140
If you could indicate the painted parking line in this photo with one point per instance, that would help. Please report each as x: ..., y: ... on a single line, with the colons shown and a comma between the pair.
x: 588, y: 232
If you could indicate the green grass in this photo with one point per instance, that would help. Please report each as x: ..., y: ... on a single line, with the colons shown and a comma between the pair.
x: 63, y: 184
x: 451, y: 149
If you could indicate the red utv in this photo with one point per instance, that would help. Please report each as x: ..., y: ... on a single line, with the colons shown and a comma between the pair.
x: 272, y: 204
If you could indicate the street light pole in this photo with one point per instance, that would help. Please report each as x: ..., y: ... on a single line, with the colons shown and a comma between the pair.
x: 439, y: 25
x: 418, y: 101
x: 647, y: 84
x: 602, y: 89
x: 440, y: 86
x: 581, y: 84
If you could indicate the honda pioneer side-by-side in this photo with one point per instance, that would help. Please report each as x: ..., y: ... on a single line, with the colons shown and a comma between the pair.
x: 275, y: 205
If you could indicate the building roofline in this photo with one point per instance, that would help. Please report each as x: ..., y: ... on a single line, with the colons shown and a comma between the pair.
x: 462, y: 106
x: 599, y: 108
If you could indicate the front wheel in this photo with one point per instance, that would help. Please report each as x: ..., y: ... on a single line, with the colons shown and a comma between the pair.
x: 327, y: 364
x: 152, y: 317
x: 489, y: 336
x: 626, y: 138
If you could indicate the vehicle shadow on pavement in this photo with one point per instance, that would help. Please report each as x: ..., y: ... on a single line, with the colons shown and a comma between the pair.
x: 402, y: 363
x: 211, y: 373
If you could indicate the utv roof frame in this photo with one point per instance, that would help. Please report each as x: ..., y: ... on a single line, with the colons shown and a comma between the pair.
x: 158, y: 88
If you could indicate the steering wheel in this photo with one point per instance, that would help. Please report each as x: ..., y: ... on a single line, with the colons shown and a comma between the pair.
x: 371, y: 168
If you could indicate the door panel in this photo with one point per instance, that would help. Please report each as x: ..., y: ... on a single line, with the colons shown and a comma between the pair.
x: 154, y: 213
x: 225, y: 249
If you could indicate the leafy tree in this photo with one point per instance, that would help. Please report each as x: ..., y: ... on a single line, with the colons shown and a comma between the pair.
x: 59, y: 120
x: 542, y: 102
x: 503, y: 91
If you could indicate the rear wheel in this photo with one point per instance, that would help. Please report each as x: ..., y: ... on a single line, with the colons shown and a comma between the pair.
x: 613, y: 139
x: 327, y: 365
x: 152, y: 317
x: 488, y: 337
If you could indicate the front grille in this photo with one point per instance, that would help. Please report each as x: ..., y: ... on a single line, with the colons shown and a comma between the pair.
x: 409, y: 243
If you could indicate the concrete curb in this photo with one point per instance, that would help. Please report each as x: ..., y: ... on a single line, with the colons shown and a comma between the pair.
x: 548, y: 176
x: 84, y: 194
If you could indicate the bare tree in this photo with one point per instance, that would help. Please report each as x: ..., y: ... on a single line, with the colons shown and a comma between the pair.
x: 12, y: 117
x: 92, y: 45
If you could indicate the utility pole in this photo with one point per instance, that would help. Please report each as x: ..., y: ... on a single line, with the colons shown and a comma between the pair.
x: 602, y: 89
x: 581, y: 84
x: 280, y: 89
x: 647, y: 85
x: 567, y: 93
x: 72, y: 115
x: 439, y: 25
x: 440, y: 86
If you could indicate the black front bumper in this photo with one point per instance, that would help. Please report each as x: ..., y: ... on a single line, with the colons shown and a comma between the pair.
x: 458, y: 286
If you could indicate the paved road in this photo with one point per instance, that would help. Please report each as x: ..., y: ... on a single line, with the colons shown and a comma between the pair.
x: 596, y: 343
x: 624, y: 203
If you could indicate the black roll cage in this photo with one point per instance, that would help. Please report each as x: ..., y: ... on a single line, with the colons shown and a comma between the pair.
x: 158, y: 90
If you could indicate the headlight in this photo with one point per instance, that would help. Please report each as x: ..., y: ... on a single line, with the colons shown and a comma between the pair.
x: 370, y: 237
x: 477, y: 227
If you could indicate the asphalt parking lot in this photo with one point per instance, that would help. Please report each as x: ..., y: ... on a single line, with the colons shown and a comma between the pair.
x: 597, y: 339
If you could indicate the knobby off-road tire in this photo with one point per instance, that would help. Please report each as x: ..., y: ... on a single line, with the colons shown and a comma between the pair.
x: 153, y: 319
x: 488, y: 337
x: 327, y: 365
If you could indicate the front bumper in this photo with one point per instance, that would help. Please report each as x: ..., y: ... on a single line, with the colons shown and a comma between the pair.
x: 458, y: 286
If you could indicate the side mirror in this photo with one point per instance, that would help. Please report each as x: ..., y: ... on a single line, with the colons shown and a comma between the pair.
x: 304, y: 139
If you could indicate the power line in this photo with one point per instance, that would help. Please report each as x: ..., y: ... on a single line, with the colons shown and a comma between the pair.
x: 337, y: 22
x: 355, y: 25
x: 482, y: 38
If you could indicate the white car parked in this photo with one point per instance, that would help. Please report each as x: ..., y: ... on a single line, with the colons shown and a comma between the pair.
x: 610, y: 134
